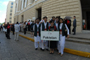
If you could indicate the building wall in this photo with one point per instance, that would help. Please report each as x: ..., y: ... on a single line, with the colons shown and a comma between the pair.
x: 53, y: 8
x: 63, y: 8
x: 8, y: 12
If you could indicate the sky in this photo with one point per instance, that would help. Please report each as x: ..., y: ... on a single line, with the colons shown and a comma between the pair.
x: 3, y: 8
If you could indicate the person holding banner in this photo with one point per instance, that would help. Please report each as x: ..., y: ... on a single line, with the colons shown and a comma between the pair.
x: 53, y: 44
x: 57, y: 26
x: 37, y: 39
x: 44, y: 27
x: 62, y: 28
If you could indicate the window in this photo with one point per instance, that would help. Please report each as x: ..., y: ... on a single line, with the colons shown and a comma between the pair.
x: 10, y: 17
x: 10, y: 14
x: 10, y: 10
x: 10, y: 21
x: 12, y: 3
x: 11, y: 6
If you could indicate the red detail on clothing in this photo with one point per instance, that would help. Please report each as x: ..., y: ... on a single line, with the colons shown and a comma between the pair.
x: 49, y: 27
x: 37, y: 31
x: 60, y: 30
x: 84, y: 26
x: 68, y: 21
x: 54, y: 27
x: 49, y: 21
x: 45, y: 29
x: 8, y: 26
x: 28, y: 23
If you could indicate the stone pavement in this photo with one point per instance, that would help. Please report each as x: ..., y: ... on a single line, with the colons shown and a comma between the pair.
x: 72, y: 45
x: 24, y: 50
x: 81, y: 35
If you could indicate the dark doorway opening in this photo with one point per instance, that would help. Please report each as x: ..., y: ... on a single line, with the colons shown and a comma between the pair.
x: 22, y: 19
x: 85, y: 5
x: 88, y: 20
x: 39, y: 10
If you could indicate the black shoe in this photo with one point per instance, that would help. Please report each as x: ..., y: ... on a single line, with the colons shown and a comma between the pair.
x: 40, y: 48
x: 47, y: 49
x: 36, y: 48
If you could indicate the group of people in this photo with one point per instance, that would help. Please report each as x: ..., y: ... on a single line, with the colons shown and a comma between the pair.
x: 16, y: 28
x: 55, y: 24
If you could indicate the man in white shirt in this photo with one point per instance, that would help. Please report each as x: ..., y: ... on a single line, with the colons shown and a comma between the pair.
x: 44, y: 27
x: 17, y: 29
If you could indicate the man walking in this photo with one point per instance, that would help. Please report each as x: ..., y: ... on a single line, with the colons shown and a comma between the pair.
x: 17, y: 29
x: 74, y: 25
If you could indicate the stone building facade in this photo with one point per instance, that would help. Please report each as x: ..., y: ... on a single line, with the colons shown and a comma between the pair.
x: 31, y: 9
x: 10, y: 12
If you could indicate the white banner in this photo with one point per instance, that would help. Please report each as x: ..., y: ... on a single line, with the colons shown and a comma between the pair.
x: 50, y: 35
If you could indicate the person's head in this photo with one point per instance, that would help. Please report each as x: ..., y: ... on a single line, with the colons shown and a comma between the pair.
x: 52, y: 23
x: 37, y: 20
x: 45, y: 19
x: 61, y: 20
x: 17, y: 23
x: 74, y: 17
x: 53, y: 18
x: 7, y: 22
x: 57, y: 19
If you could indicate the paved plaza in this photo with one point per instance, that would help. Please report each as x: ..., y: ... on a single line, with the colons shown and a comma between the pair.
x: 24, y: 50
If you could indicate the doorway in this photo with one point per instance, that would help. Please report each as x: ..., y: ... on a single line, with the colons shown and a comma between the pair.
x: 88, y: 20
x: 39, y: 11
x: 85, y: 5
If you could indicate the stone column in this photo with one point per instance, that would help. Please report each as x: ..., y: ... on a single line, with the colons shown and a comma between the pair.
x: 17, y: 5
x: 22, y: 4
x: 25, y: 3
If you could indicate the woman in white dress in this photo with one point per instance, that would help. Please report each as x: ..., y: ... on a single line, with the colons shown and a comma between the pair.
x: 62, y: 28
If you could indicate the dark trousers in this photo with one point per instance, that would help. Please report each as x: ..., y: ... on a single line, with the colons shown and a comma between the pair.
x: 28, y: 27
x: 69, y: 27
x: 24, y: 30
x: 74, y: 30
x: 8, y: 33
x: 20, y: 29
x: 13, y: 32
